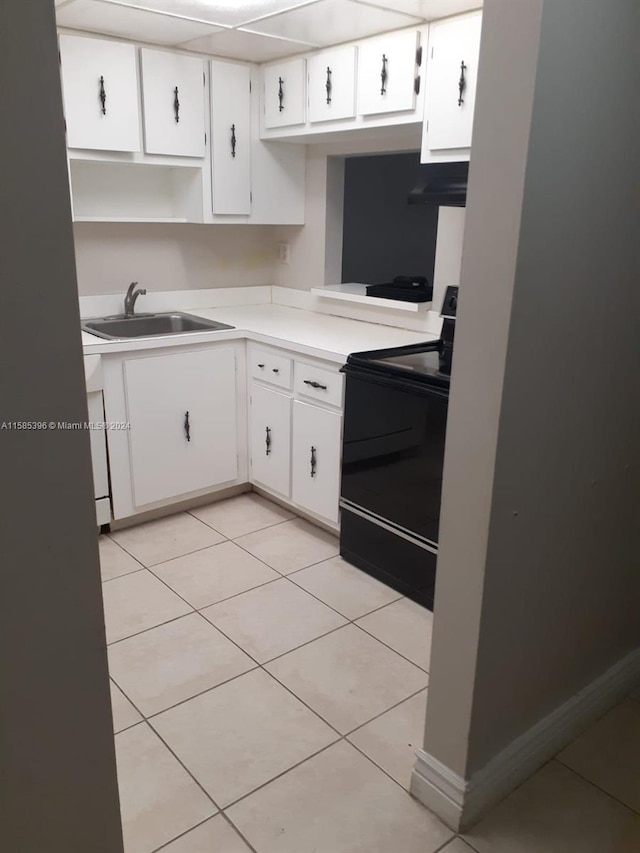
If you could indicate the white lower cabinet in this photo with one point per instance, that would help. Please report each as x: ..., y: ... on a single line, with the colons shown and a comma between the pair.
x: 270, y: 439
x: 316, y: 459
x: 183, y: 431
x: 295, y: 433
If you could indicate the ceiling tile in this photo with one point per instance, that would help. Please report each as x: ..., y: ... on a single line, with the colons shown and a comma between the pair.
x: 228, y: 13
x: 111, y: 19
x: 428, y: 10
x: 331, y: 22
x: 238, y: 44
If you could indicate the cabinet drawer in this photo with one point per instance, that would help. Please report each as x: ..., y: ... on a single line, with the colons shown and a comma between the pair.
x: 271, y: 367
x: 318, y: 383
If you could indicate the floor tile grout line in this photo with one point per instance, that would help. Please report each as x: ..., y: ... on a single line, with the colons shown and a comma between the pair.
x: 464, y: 841
x: 235, y: 828
x: 375, y: 764
x: 443, y: 847
x: 382, y: 642
x: 145, y: 630
x: 240, y: 535
x: 177, y: 556
x: 595, y: 785
x: 126, y: 574
x: 386, y: 711
x: 283, y: 773
x: 155, y: 714
x: 123, y: 549
x: 219, y: 601
x: 344, y: 616
x: 186, y: 832
x: 280, y: 572
x: 184, y: 766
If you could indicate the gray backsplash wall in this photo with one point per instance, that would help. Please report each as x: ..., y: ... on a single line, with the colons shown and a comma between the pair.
x: 383, y: 235
x: 172, y: 256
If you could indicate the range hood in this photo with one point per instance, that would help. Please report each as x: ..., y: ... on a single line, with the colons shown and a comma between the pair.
x: 441, y: 184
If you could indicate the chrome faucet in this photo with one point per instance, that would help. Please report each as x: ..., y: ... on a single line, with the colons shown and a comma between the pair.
x: 130, y: 298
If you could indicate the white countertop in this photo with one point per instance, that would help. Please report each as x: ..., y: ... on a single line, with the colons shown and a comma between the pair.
x: 319, y: 335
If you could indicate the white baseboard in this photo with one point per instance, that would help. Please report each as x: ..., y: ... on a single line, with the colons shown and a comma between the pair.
x: 460, y: 802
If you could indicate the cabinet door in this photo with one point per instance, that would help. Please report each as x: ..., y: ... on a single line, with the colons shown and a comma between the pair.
x: 284, y: 93
x: 454, y: 47
x: 332, y: 84
x: 182, y: 412
x: 231, y: 137
x: 270, y: 439
x: 172, y: 103
x: 97, y: 437
x: 100, y: 90
x: 386, y: 73
x: 316, y: 459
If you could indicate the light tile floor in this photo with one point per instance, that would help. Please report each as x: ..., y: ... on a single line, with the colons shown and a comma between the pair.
x: 269, y: 697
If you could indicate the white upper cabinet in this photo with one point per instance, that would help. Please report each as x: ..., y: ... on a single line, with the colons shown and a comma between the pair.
x: 332, y: 84
x: 284, y: 93
x: 231, y: 137
x: 100, y: 90
x: 387, y: 72
x: 452, y: 70
x: 173, y: 103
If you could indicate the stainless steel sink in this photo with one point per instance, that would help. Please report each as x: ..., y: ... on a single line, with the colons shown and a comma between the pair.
x: 147, y: 325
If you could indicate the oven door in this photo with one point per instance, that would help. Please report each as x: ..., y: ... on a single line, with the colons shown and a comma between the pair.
x: 393, y: 451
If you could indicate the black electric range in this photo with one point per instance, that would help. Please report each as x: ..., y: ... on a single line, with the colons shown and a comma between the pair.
x: 396, y: 404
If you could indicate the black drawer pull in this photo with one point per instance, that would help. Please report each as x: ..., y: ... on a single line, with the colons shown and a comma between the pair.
x: 462, y: 84
x: 327, y: 85
x: 314, y: 384
x: 275, y: 370
x: 103, y: 96
x: 313, y: 462
x: 261, y: 366
x: 176, y: 105
x: 187, y: 426
x: 383, y: 75
x: 267, y: 441
x: 233, y: 140
x: 280, y: 94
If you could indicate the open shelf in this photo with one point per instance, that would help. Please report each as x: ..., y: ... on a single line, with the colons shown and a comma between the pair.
x: 132, y: 192
x: 353, y: 292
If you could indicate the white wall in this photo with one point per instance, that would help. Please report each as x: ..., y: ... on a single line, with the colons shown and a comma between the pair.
x: 306, y: 267
x: 172, y: 256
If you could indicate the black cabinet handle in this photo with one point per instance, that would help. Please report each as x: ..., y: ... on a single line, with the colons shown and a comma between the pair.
x: 233, y: 140
x: 419, y: 56
x: 103, y: 96
x: 313, y: 462
x: 275, y: 370
x: 176, y: 104
x: 462, y: 84
x: 261, y: 365
x: 416, y: 85
x: 280, y: 94
x: 267, y: 441
x: 327, y: 85
x: 187, y: 426
x: 314, y: 384
x: 383, y: 75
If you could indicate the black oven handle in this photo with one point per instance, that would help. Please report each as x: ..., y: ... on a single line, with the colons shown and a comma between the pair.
x: 389, y: 380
